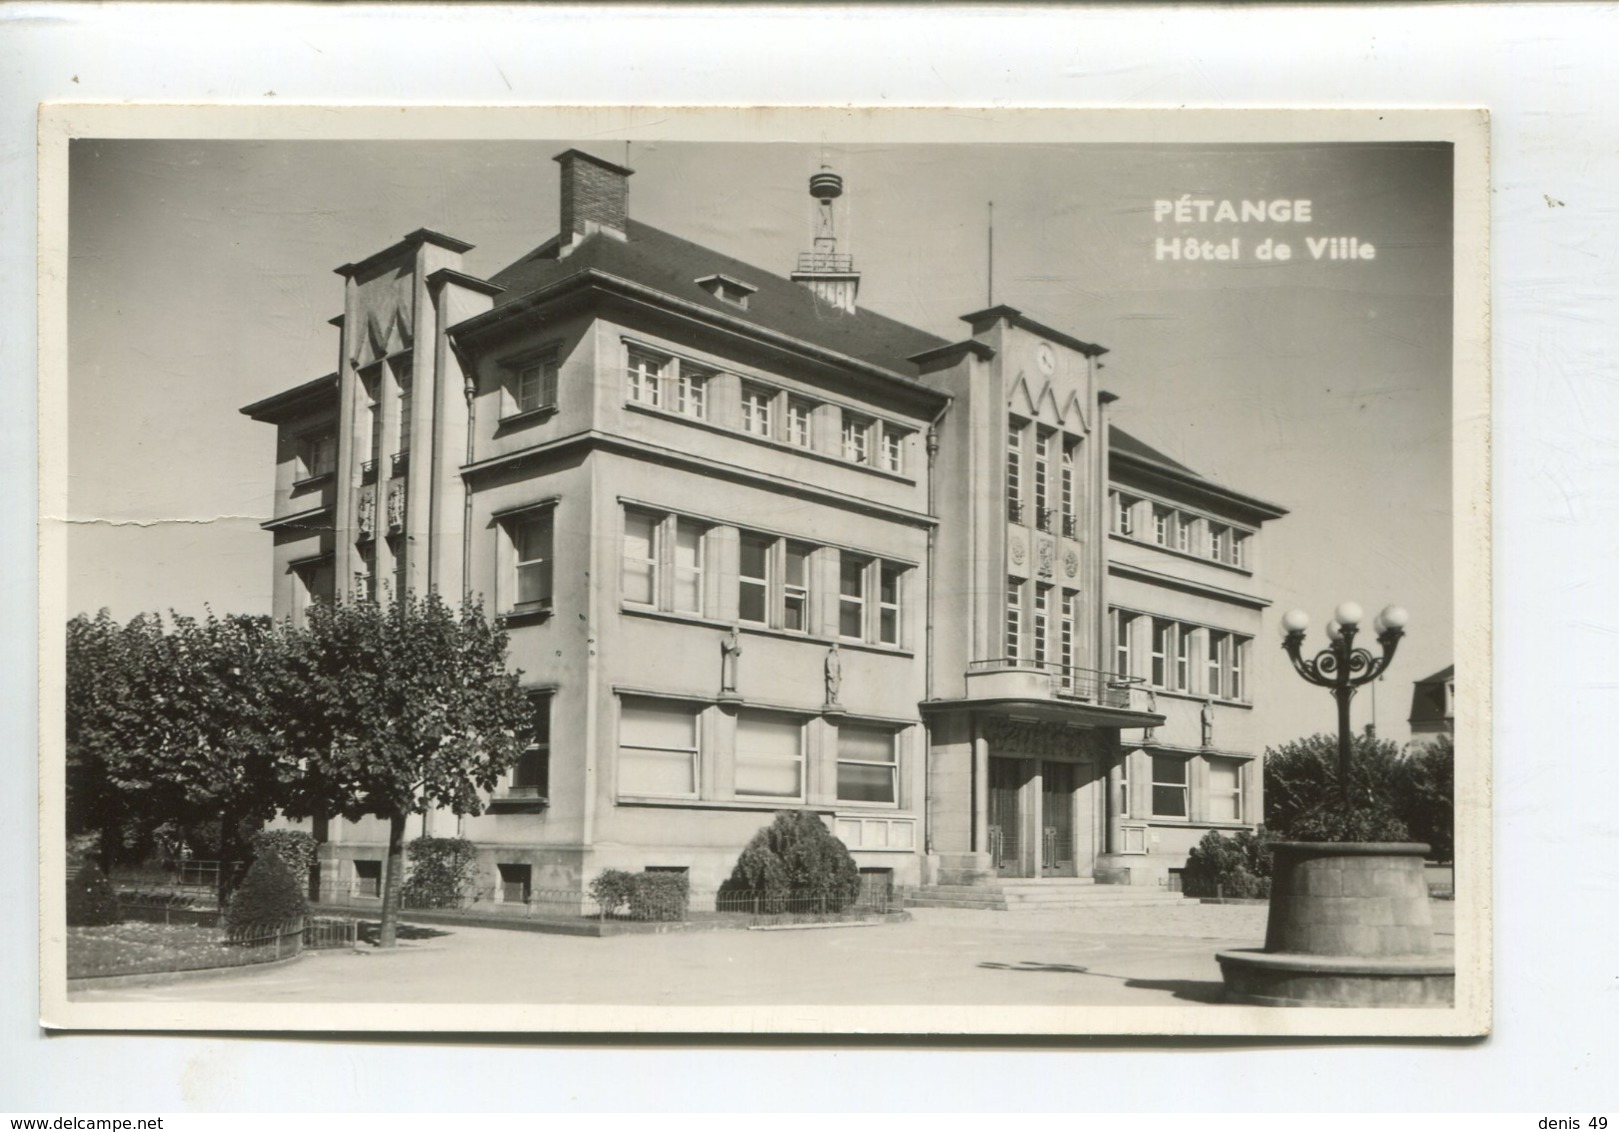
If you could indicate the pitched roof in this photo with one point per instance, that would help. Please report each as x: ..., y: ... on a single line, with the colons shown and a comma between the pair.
x: 1125, y: 444
x: 669, y: 264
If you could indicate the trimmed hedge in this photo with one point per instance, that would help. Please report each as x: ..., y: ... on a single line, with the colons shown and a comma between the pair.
x: 443, y: 871
x: 649, y: 896
x: 1232, y: 866
x: 268, y: 897
x: 792, y: 859
x: 91, y: 900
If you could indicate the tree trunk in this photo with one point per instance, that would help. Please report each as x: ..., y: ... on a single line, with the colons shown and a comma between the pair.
x: 222, y: 879
x: 392, y: 881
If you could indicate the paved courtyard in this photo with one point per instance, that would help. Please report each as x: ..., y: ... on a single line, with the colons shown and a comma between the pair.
x: 1146, y: 956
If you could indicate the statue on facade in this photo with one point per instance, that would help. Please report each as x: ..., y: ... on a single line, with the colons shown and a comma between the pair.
x: 730, y: 650
x: 1207, y: 716
x: 396, y: 506
x: 368, y: 511
x: 1152, y: 705
x: 834, y: 673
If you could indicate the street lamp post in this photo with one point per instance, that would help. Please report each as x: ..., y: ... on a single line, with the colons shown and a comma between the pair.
x: 1341, y: 667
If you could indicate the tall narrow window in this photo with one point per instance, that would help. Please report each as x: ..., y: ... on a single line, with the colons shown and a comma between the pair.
x: 756, y: 401
x: 1070, y: 519
x: 317, y: 454
x: 365, y: 577
x: 1014, y: 620
x: 691, y: 392
x: 688, y: 580
x: 868, y: 765
x: 888, y: 604
x: 851, y: 596
x: 1168, y: 786
x: 1042, y: 479
x: 640, y: 558
x: 1182, y: 643
x: 1163, y: 526
x: 1124, y: 515
x: 769, y: 756
x: 372, y: 382
x: 1225, y: 791
x: 753, y: 580
x: 1123, y: 625
x: 1219, y: 539
x: 1237, y: 690
x: 893, y: 449
x: 531, y: 539
x: 795, y: 590
x: 1014, y: 472
x: 856, y: 439
x: 1124, y: 787
x: 1042, y: 615
x: 1183, y: 533
x: 402, y: 381
x: 1065, y: 637
x: 1163, y: 653
x: 657, y: 749
x: 645, y: 377
x: 798, y: 421
x: 531, y: 776
x: 1219, y: 644
x: 1239, y: 548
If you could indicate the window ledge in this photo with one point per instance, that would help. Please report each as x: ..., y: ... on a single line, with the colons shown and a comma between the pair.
x: 526, y: 416
x: 525, y: 616
x: 765, y: 631
x: 1196, y: 697
x: 518, y: 804
x: 1187, y: 823
x: 310, y: 481
x: 750, y: 805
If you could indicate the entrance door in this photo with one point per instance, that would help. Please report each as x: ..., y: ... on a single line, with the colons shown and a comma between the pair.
x: 1006, y: 842
x: 1057, y: 819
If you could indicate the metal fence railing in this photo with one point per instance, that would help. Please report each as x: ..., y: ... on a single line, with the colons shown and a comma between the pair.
x: 1067, y: 681
x: 322, y: 933
x: 126, y: 949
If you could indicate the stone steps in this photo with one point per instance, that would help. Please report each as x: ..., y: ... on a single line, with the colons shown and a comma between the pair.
x: 1036, y: 895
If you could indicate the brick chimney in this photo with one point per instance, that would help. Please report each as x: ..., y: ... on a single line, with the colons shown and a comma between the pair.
x: 595, y: 197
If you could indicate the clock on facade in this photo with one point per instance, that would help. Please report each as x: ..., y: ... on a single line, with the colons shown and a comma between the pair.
x: 1045, y: 357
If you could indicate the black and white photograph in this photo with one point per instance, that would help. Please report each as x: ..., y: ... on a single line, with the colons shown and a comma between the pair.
x: 795, y: 571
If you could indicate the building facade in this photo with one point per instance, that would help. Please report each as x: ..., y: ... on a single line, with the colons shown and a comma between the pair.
x: 759, y: 548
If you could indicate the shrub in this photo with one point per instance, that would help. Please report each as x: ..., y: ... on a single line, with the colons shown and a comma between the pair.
x: 612, y: 889
x: 295, y: 848
x: 1304, y: 797
x: 442, y: 872
x: 793, y: 858
x: 268, y: 897
x: 1424, y: 796
x: 91, y: 901
x: 659, y: 896
x: 1334, y: 823
x: 1234, y: 866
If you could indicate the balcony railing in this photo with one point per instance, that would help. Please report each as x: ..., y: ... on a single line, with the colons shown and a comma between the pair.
x: 1065, y: 681
x: 1044, y: 518
x: 825, y: 261
x: 401, y: 462
x: 1070, y: 527
x: 368, y: 472
x: 1014, y: 510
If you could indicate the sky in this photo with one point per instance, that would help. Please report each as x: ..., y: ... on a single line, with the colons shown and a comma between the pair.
x: 201, y: 279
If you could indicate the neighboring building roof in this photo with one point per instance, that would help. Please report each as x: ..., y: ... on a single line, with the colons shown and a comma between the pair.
x: 1151, y: 465
x: 1123, y: 444
x: 674, y: 266
x: 291, y: 402
x: 1430, y: 698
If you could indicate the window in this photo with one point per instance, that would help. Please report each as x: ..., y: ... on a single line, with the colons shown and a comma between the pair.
x: 769, y: 756
x: 1219, y: 542
x: 753, y: 580
x: 657, y: 749
x: 1042, y: 615
x: 1219, y: 663
x: 1123, y: 514
x: 402, y: 383
x: 1070, y: 518
x: 1168, y: 786
x: 1123, y: 626
x: 1014, y: 619
x: 1225, y: 790
x: 515, y: 882
x: 1124, y: 786
x: 691, y: 392
x: 756, y: 409
x: 852, y: 596
x: 888, y: 604
x: 1014, y: 472
x: 688, y: 592
x: 640, y: 572
x: 868, y: 765
x: 798, y: 422
x: 1183, y: 533
x: 1163, y: 526
x: 531, y: 776
x: 795, y: 590
x: 1239, y: 548
x: 1065, y: 637
x: 1042, y: 479
x: 365, y: 573
x: 857, y: 439
x: 372, y: 381
x: 1235, y: 688
x: 1169, y: 656
x: 645, y: 376
x: 893, y: 449
x: 1183, y: 659
x: 317, y: 454
x: 531, y: 536
x: 368, y: 878
x: 533, y: 383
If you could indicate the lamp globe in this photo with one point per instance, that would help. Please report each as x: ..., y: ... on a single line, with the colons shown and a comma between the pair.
x: 1295, y: 621
x: 1348, y: 614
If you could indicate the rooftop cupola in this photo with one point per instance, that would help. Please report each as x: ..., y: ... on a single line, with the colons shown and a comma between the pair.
x: 595, y: 197
x: 831, y: 276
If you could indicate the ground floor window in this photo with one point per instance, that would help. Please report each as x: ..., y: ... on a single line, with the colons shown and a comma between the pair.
x: 657, y: 741
x: 515, y: 883
x: 1225, y: 790
x: 368, y: 878
x: 1169, y: 785
x: 868, y: 764
x: 769, y: 756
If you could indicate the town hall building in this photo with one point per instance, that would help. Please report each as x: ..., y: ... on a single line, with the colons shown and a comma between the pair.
x: 760, y: 548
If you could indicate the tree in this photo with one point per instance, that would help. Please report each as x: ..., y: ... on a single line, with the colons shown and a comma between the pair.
x: 1424, y: 789
x: 177, y: 724
x: 399, y: 709
x: 796, y: 857
x: 1303, y: 797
